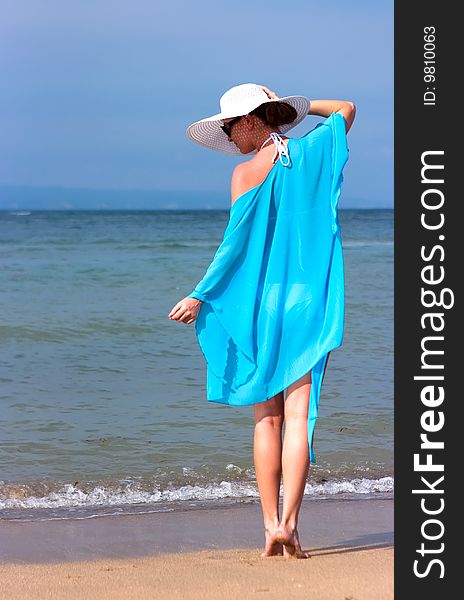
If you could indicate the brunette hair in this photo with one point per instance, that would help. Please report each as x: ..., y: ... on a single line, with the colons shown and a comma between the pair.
x: 275, y: 113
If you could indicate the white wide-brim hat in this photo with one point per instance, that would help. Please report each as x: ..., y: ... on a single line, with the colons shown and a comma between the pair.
x: 236, y: 102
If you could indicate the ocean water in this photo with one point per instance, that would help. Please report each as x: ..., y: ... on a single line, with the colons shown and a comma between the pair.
x: 102, y: 398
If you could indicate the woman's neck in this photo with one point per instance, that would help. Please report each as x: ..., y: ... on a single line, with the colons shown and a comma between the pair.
x: 263, y: 136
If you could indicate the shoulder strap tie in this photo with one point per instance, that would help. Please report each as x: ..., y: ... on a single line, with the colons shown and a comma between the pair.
x: 281, y: 148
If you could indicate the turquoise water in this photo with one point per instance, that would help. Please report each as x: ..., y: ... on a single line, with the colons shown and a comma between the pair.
x: 102, y: 397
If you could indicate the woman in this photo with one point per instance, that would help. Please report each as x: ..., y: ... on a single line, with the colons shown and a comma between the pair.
x: 270, y: 307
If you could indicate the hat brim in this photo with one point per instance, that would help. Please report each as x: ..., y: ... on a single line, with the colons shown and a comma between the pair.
x: 208, y: 132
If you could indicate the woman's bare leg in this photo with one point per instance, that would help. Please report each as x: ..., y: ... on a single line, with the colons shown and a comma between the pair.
x: 295, y: 464
x: 269, y: 418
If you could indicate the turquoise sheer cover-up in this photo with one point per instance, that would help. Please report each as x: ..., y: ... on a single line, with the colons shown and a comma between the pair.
x: 273, y: 295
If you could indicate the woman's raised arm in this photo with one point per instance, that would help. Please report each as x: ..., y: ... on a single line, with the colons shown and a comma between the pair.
x: 324, y: 108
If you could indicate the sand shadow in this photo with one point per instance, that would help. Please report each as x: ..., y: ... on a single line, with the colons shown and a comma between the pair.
x: 365, y: 542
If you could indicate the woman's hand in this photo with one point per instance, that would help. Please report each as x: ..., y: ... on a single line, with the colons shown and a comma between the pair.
x: 270, y: 94
x: 186, y: 310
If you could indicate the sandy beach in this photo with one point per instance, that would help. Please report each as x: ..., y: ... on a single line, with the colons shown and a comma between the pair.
x: 203, y: 553
x: 345, y: 574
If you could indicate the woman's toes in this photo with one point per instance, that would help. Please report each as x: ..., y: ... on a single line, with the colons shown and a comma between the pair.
x: 296, y: 554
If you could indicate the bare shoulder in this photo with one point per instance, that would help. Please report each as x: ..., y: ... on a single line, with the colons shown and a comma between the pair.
x: 251, y: 173
x: 241, y: 180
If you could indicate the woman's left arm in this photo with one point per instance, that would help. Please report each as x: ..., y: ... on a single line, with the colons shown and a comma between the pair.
x: 324, y: 108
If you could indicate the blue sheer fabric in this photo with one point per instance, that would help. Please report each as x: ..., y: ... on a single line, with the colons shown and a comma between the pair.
x: 274, y: 292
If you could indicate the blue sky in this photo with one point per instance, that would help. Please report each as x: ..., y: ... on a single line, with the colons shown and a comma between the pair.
x: 98, y: 93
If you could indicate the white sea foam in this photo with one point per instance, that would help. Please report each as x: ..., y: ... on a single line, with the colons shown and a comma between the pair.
x: 71, y: 496
x: 351, y: 486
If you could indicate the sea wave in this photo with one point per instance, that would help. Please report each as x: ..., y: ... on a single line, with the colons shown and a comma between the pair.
x: 366, y: 243
x: 70, y: 495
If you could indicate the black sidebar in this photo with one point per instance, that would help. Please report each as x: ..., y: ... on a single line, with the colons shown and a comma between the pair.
x: 429, y: 114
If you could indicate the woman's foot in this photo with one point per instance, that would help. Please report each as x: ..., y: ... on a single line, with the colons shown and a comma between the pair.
x: 288, y: 537
x: 273, y: 547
